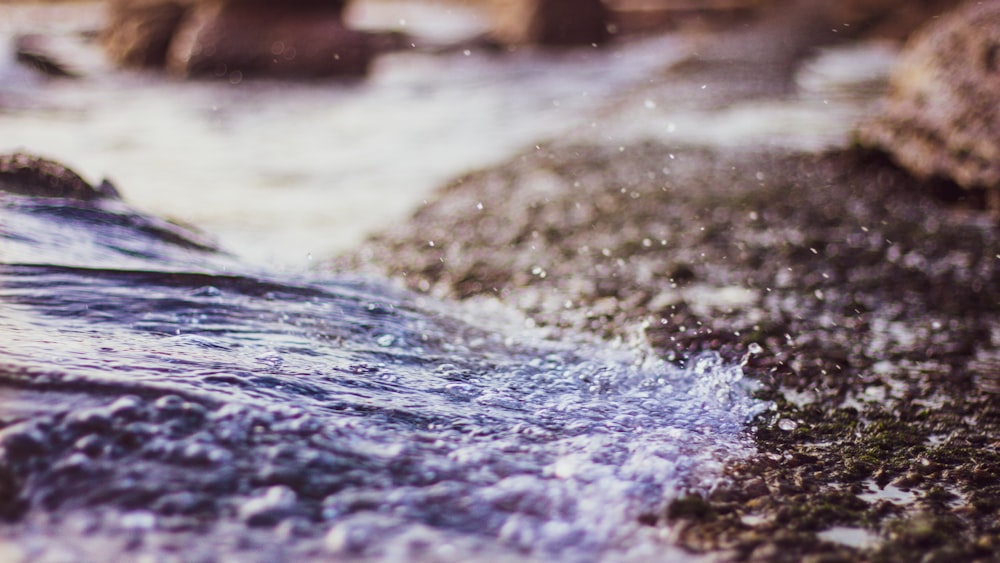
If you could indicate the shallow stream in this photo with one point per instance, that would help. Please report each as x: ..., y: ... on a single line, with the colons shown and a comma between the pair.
x: 157, y: 397
x: 160, y: 397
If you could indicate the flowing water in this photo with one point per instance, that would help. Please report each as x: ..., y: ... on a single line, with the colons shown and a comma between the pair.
x: 282, y: 172
x: 160, y: 398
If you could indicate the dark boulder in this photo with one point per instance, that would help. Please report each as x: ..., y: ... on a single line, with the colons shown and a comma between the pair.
x: 552, y: 22
x: 255, y: 38
x: 30, y: 175
x: 236, y: 38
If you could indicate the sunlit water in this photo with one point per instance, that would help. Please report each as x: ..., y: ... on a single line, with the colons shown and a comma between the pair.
x: 160, y: 399
x: 283, y: 171
x: 157, y: 398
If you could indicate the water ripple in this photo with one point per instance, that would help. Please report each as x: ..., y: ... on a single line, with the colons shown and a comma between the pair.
x: 155, y: 396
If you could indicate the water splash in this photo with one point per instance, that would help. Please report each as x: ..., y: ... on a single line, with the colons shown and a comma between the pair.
x: 160, y: 396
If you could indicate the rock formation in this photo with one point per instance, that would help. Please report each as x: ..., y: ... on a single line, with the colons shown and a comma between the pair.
x: 236, y: 38
x: 26, y: 174
x: 304, y: 39
x: 138, y: 32
x: 551, y: 22
x: 941, y: 116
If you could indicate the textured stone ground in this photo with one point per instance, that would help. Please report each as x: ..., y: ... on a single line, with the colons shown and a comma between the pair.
x: 873, y: 296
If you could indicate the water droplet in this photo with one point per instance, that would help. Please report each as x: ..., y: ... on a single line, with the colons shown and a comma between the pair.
x: 385, y: 340
x: 787, y: 424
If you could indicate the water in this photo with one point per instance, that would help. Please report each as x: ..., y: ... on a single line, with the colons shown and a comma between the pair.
x: 160, y: 398
x: 280, y: 171
x: 833, y: 90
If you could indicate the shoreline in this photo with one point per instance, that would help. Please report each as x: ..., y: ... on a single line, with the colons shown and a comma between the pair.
x: 872, y: 298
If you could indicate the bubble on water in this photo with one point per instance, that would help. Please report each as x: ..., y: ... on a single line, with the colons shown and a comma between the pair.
x: 787, y: 424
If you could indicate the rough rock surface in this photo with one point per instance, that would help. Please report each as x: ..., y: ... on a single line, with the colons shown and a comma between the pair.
x: 875, y: 307
x: 872, y: 306
x: 35, y: 176
x: 942, y: 114
x: 551, y: 22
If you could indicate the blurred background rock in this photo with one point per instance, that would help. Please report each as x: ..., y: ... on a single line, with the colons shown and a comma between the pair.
x: 274, y: 152
x: 314, y: 37
x: 941, y: 118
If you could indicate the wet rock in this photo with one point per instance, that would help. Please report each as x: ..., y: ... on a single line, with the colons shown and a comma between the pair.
x: 551, y: 22
x: 236, y: 38
x: 254, y: 38
x: 26, y: 174
x: 33, y: 51
x: 941, y: 116
x: 138, y: 32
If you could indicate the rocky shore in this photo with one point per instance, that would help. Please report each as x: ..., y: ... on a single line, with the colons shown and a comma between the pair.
x: 863, y: 298
x: 867, y: 299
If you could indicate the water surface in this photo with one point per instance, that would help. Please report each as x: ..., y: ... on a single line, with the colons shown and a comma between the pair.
x: 161, y: 398
x: 284, y: 171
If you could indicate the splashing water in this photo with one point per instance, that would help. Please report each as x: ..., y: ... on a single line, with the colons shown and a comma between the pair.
x: 159, y: 398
